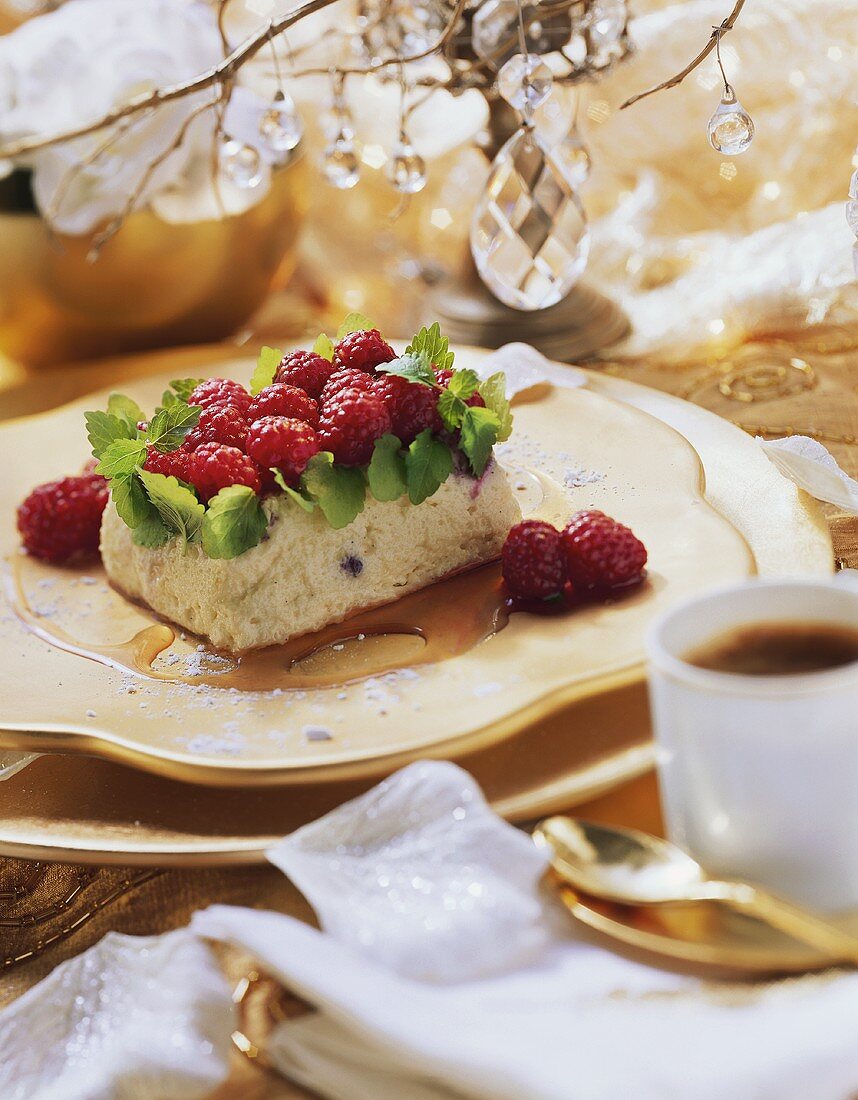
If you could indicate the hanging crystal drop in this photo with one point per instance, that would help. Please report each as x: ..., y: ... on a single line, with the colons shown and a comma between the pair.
x: 574, y: 158
x: 529, y: 235
x: 852, y: 205
x: 606, y: 22
x: 731, y: 128
x: 280, y: 126
x: 406, y: 170
x: 340, y: 164
x: 525, y: 82
x: 241, y: 164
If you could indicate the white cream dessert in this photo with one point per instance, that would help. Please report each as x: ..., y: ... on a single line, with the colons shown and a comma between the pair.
x: 344, y: 479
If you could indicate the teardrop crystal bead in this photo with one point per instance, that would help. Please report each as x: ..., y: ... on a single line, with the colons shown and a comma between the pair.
x: 340, y: 164
x: 406, y: 170
x: 241, y: 164
x: 280, y: 126
x: 731, y: 128
x: 529, y: 235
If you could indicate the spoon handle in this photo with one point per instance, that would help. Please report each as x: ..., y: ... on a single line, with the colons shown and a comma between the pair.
x: 785, y: 917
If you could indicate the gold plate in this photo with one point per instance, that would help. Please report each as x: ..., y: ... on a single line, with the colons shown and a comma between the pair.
x: 83, y: 809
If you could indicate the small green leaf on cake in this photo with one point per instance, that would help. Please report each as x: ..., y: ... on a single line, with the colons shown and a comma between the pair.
x: 451, y: 409
x: 436, y: 348
x: 168, y: 427
x: 354, y: 322
x: 152, y: 532
x: 177, y: 506
x: 387, y: 475
x: 184, y: 387
x: 324, y: 346
x: 234, y: 522
x: 338, y: 490
x: 121, y: 457
x: 479, y: 433
x: 125, y: 408
x: 493, y: 392
x: 463, y: 384
x: 413, y: 367
x: 428, y: 464
x: 130, y: 499
x: 266, y: 366
x: 103, y: 428
x: 293, y: 494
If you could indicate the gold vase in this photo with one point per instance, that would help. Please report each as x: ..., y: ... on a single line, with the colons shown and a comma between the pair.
x: 154, y: 285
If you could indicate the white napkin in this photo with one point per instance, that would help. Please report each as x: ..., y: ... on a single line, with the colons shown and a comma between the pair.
x: 813, y: 468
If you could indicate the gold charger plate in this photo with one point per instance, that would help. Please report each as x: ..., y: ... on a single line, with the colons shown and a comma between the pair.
x: 84, y: 809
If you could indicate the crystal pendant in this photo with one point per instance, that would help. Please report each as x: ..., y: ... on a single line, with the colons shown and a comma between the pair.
x: 574, y: 158
x: 340, y: 164
x: 525, y: 82
x: 606, y: 23
x: 280, y: 126
x: 406, y: 170
x: 852, y: 205
x: 731, y: 128
x: 529, y: 234
x: 494, y: 32
x: 241, y: 164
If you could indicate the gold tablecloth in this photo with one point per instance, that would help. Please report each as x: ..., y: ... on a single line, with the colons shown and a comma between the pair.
x: 805, y: 382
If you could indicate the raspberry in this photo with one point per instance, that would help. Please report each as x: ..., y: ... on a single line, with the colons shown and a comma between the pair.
x: 306, y: 370
x: 281, y: 399
x: 601, y: 553
x: 62, y: 519
x: 443, y: 378
x: 282, y: 442
x: 174, y: 464
x: 350, y: 379
x: 213, y: 466
x: 218, y: 424
x: 364, y: 350
x: 534, y: 564
x: 350, y: 424
x: 221, y: 391
x: 412, y: 406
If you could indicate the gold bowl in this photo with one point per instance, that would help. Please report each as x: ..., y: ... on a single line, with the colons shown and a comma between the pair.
x: 154, y: 284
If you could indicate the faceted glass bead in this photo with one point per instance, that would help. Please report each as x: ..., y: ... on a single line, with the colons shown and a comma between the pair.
x: 525, y: 82
x: 494, y: 33
x: 406, y: 170
x: 731, y: 128
x: 529, y: 234
x: 280, y: 127
x: 241, y: 164
x: 606, y: 21
x: 340, y: 165
x: 852, y: 205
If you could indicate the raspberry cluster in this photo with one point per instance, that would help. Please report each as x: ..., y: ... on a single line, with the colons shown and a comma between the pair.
x: 593, y: 553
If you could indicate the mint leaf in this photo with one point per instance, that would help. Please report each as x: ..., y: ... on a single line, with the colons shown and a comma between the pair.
x: 121, y: 457
x: 451, y: 409
x: 463, y: 383
x: 428, y: 464
x: 430, y: 343
x: 338, y: 490
x: 184, y: 387
x: 152, y: 532
x: 126, y: 409
x: 493, y: 392
x: 386, y: 472
x: 130, y: 500
x: 479, y: 434
x: 306, y: 504
x: 168, y: 427
x: 324, y: 347
x: 103, y: 428
x: 234, y: 522
x: 415, y: 367
x: 354, y: 322
x: 266, y: 365
x: 177, y: 506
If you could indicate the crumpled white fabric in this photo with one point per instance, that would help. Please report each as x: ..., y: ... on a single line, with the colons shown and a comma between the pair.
x: 525, y: 367
x: 813, y: 468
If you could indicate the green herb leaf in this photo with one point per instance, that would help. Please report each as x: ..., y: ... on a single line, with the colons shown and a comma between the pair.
x: 433, y: 345
x: 354, y: 322
x: 168, y: 398
x: 338, y: 490
x: 463, y: 383
x: 152, y: 532
x: 126, y: 409
x: 307, y: 505
x: 103, y: 428
x: 266, y: 365
x: 428, y: 464
x: 168, y: 427
x: 234, y: 522
x: 414, y: 367
x: 184, y: 387
x: 177, y: 506
x: 479, y: 434
x: 122, y: 457
x: 130, y: 500
x: 386, y: 473
x: 324, y: 347
x: 493, y: 392
x: 451, y: 409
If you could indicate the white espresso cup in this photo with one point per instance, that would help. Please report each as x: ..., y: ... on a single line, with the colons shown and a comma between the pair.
x: 759, y: 774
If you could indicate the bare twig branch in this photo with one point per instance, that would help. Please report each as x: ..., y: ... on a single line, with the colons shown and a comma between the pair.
x: 717, y: 33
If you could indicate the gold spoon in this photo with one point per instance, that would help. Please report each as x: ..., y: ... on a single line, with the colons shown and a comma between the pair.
x: 634, y: 868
